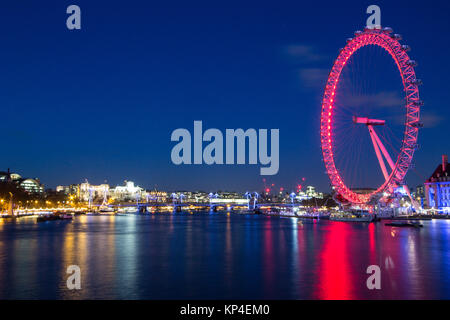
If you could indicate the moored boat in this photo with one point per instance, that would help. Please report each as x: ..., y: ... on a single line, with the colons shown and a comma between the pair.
x: 287, y: 213
x: 324, y: 215
x: 53, y: 217
x: 107, y: 209
x: 404, y: 224
x: 353, y: 218
x: 48, y: 217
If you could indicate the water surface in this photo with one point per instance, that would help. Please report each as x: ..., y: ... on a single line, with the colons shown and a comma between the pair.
x: 222, y: 256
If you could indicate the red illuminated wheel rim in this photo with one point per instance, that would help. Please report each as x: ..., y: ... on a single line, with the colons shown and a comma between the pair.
x: 405, y: 66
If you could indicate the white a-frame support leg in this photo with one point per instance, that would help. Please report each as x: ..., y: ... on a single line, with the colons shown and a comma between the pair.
x: 374, y: 137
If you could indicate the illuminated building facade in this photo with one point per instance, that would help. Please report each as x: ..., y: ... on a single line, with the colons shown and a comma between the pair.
x: 86, y: 190
x: 72, y: 189
x: 309, y: 193
x: 27, y: 184
x: 419, y: 196
x: 437, y: 187
x: 156, y: 196
x: 193, y: 196
x: 31, y: 185
x: 7, y: 176
x: 127, y: 192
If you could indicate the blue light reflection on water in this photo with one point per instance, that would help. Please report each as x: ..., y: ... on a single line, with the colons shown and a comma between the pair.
x: 222, y: 255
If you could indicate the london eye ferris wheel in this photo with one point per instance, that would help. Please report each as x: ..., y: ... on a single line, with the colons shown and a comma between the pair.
x: 370, y: 117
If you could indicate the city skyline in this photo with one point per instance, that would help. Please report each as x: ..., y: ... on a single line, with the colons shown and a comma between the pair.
x: 226, y: 156
x: 108, y: 109
x: 265, y: 186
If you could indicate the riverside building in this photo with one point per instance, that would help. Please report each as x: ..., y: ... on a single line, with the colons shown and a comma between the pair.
x: 437, y: 187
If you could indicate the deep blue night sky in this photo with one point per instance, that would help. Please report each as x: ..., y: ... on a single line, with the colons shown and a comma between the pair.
x: 101, y: 103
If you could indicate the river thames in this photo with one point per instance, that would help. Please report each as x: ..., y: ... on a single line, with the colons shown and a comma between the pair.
x: 222, y: 256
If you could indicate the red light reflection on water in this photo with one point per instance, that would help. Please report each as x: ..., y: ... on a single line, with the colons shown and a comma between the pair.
x: 269, y: 259
x: 372, y: 248
x: 335, y: 280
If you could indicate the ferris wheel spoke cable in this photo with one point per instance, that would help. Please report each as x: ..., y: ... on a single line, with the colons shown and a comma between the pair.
x: 388, y: 141
x: 360, y: 90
